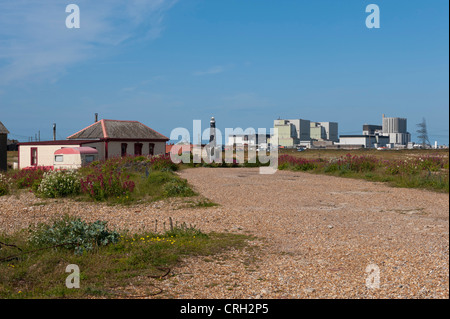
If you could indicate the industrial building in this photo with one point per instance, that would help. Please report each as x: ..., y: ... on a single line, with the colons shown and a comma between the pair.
x: 300, y: 132
x: 364, y: 140
x: 324, y: 131
x: 292, y: 132
x: 248, y: 140
x: 3, y: 147
x: 369, y: 129
x: 396, y: 129
x: 391, y: 134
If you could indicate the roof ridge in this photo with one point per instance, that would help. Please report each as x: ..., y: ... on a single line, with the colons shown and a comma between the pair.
x: 83, y: 129
x: 105, y: 133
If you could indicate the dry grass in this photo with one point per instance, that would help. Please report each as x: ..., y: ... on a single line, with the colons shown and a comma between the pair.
x: 386, y: 154
x: 12, y: 157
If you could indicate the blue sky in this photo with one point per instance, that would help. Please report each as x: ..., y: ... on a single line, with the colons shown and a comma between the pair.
x: 169, y: 62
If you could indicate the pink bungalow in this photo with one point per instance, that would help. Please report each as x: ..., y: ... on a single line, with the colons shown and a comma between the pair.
x: 110, y: 138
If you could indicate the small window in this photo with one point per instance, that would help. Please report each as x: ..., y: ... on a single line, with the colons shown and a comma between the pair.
x: 151, y: 149
x: 123, y: 148
x: 34, y: 156
x: 89, y: 158
x: 138, y: 149
x: 59, y: 158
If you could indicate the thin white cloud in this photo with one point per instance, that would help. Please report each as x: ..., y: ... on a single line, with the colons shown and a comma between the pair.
x: 35, y: 43
x: 213, y: 70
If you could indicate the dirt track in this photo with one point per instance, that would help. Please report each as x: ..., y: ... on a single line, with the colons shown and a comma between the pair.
x: 317, y: 235
x: 322, y: 232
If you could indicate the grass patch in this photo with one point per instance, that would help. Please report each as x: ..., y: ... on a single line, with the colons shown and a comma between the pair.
x: 424, y: 171
x: 202, y: 203
x: 105, y: 270
x: 157, y: 185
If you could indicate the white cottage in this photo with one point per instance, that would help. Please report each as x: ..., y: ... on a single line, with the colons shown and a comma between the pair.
x: 110, y: 138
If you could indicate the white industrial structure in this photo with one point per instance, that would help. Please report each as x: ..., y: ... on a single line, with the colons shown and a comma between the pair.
x: 324, y: 131
x: 364, y: 141
x: 300, y: 132
x: 396, y: 129
x: 392, y: 134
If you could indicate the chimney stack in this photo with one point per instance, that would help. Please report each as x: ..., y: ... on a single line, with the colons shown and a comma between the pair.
x: 54, y: 131
x: 96, y: 117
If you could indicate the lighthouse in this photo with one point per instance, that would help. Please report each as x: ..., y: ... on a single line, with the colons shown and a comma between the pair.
x: 212, y: 139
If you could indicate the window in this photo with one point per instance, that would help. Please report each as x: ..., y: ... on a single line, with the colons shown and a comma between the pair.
x: 138, y: 149
x: 123, y: 148
x: 34, y: 156
x: 59, y: 158
x: 89, y: 158
x: 151, y: 149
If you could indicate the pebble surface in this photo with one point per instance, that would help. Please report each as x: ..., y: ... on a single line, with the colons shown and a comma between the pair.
x: 316, y: 236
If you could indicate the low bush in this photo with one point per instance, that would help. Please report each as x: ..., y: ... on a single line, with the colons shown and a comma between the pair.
x: 5, y: 185
x: 101, y: 186
x: 297, y: 164
x: 56, y: 184
x: 68, y: 230
x: 107, y: 260
x: 25, y: 178
x: 177, y: 188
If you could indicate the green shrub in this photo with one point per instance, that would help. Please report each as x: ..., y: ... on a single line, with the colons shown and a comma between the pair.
x: 5, y: 185
x: 84, y: 236
x: 59, y: 184
x: 25, y: 178
x: 177, y: 188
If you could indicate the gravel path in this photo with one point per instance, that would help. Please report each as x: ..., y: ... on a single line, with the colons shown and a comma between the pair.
x: 316, y: 235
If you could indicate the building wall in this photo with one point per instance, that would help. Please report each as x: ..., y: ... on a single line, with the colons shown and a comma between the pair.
x: 99, y: 146
x: 332, y: 130
x: 241, y: 140
x: 318, y: 133
x: 399, y: 138
x: 394, y: 125
x: 302, y: 128
x: 286, y: 142
x: 3, y: 152
x: 366, y: 141
x: 115, y: 148
x: 286, y: 135
x: 352, y: 141
x: 285, y: 131
x: 45, y: 154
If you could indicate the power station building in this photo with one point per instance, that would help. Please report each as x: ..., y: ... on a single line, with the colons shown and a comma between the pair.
x: 392, y: 134
x: 396, y: 129
x: 324, y: 131
x: 292, y: 132
x: 300, y: 132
